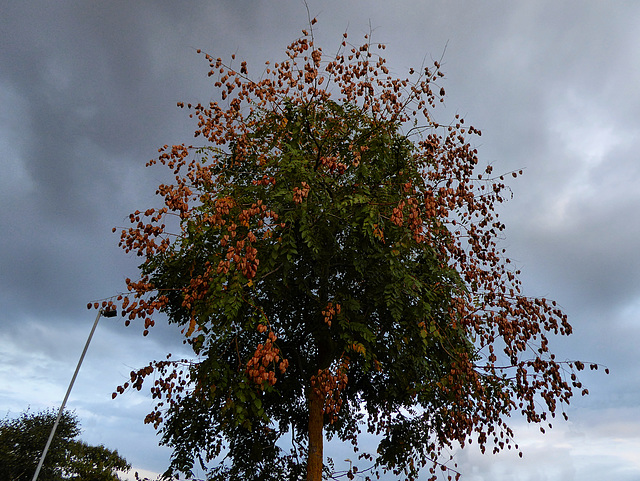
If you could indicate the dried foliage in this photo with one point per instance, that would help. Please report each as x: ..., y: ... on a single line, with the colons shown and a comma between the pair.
x: 336, y: 268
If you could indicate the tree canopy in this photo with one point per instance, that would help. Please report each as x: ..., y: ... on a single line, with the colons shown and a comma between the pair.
x: 22, y: 440
x: 334, y: 263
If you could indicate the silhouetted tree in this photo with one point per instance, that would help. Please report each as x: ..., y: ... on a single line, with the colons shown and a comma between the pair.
x: 22, y: 440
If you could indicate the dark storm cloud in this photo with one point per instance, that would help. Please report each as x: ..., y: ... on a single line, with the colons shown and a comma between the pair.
x: 88, y: 93
x: 83, y: 82
x: 94, y: 88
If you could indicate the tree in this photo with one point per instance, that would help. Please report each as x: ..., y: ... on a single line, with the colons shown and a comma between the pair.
x: 335, y: 266
x: 22, y: 440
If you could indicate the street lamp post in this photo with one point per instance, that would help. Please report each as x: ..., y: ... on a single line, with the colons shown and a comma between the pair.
x: 101, y: 312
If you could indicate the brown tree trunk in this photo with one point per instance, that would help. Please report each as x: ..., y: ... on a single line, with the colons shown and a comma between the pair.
x: 316, y: 422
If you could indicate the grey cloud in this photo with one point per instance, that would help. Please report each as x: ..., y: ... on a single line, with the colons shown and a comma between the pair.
x: 89, y: 91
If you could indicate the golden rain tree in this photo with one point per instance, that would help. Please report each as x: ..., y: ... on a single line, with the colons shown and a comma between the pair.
x: 336, y: 270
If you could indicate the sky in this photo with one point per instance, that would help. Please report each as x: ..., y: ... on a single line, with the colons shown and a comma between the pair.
x: 88, y: 92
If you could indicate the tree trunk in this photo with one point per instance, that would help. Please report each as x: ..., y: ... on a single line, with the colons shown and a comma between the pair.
x: 316, y: 423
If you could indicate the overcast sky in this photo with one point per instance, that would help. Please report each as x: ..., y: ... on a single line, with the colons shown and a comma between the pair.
x: 88, y: 92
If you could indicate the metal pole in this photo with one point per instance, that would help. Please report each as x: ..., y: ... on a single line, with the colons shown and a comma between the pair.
x: 64, y: 402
